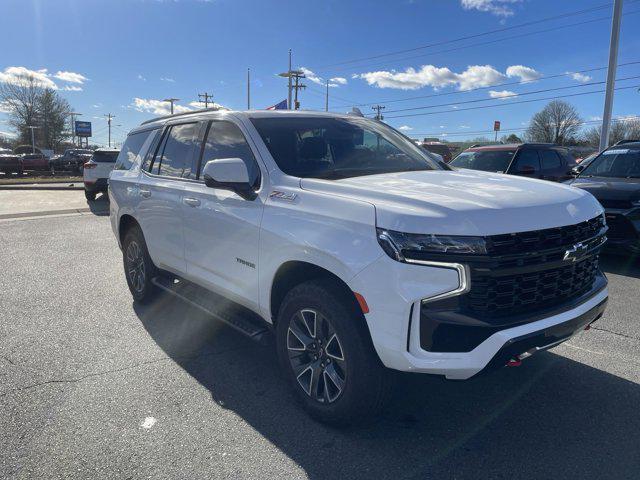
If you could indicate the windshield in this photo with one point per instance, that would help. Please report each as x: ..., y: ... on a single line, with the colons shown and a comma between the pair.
x: 486, y: 160
x: 105, y: 157
x: 323, y: 147
x: 619, y: 162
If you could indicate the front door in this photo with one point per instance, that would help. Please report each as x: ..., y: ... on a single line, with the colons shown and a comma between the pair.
x: 222, y: 228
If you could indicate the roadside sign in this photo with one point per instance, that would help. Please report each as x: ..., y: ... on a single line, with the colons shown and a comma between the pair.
x: 496, y: 126
x: 83, y: 129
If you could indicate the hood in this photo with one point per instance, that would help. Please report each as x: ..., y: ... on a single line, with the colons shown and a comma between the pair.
x: 463, y: 202
x: 612, y: 189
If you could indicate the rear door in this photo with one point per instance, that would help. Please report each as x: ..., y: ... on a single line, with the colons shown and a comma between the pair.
x: 161, y: 189
x: 221, y: 227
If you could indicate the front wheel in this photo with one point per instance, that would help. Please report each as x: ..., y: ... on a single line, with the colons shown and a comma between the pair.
x: 325, y: 350
x: 138, y: 266
x: 90, y: 196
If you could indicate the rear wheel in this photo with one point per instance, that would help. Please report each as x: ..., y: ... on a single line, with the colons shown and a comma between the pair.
x: 138, y: 267
x: 326, y: 353
x: 90, y: 196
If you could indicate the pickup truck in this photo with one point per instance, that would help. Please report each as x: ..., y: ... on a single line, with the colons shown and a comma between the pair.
x: 10, y: 163
x: 356, y: 250
x: 35, y: 162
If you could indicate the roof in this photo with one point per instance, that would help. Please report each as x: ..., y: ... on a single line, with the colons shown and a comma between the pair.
x: 512, y: 146
x: 117, y: 150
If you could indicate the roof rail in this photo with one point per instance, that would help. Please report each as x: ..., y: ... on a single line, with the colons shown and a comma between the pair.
x: 622, y: 142
x: 164, y: 117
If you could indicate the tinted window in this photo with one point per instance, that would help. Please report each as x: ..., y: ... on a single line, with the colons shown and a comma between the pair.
x: 339, y: 147
x: 486, y: 160
x: 616, y: 162
x: 104, y: 157
x: 526, y: 158
x: 550, y: 160
x: 177, y: 150
x: 225, y: 140
x: 131, y: 149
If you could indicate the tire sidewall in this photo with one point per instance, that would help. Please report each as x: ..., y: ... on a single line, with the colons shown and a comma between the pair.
x: 143, y: 296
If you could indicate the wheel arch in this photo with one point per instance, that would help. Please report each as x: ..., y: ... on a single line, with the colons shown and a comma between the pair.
x: 124, y: 224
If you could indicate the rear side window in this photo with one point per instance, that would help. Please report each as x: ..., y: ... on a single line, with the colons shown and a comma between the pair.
x: 104, y: 157
x: 131, y: 150
x: 550, y: 160
x: 526, y: 158
x: 174, y: 156
x: 225, y: 140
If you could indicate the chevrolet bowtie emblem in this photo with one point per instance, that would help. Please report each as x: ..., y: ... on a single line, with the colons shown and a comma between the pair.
x: 575, y: 252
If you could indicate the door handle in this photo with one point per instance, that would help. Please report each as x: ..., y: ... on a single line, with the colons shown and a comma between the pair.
x: 144, y: 192
x: 192, y: 202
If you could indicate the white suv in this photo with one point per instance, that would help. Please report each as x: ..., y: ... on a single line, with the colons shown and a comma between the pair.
x: 96, y: 170
x: 358, y: 250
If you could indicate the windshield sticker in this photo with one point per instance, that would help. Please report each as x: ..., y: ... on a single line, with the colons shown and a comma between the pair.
x: 619, y: 151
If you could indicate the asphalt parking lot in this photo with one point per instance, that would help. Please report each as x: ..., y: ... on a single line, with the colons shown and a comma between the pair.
x: 94, y: 386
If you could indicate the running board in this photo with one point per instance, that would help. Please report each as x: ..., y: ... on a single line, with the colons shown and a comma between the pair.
x: 221, y: 309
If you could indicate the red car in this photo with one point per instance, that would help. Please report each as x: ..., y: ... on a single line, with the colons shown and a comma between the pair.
x: 35, y: 161
x: 440, y: 148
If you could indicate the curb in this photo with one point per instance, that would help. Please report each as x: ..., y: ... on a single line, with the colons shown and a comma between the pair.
x: 47, y: 213
x: 51, y: 186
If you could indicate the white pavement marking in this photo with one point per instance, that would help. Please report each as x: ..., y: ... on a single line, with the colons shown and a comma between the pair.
x: 148, y: 423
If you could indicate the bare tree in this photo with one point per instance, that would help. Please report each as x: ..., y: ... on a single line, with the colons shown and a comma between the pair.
x: 53, y: 110
x: 558, y: 122
x: 621, y: 129
x: 20, y: 99
x: 513, y: 138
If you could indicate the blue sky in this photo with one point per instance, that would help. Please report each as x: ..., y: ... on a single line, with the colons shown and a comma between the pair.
x: 123, y: 56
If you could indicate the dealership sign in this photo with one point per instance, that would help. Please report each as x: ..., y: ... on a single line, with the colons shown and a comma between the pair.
x: 83, y: 129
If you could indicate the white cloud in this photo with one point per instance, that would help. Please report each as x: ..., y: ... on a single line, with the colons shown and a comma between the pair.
x: 333, y: 82
x: 97, y: 105
x: 502, y: 94
x: 72, y: 88
x: 167, y: 79
x: 199, y: 105
x: 500, y: 8
x: 474, y: 76
x: 7, y: 134
x: 526, y: 74
x: 15, y: 74
x: 5, y: 107
x: 579, y: 77
x: 627, y: 118
x: 465, y: 126
x: 405, y: 128
x: 595, y: 118
x: 71, y: 77
x: 157, y: 107
x: 140, y: 77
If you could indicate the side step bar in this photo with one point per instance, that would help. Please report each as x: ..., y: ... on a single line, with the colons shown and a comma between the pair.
x: 221, y: 309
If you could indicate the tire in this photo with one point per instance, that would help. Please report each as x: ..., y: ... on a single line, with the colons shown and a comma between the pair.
x: 341, y: 381
x: 138, y: 266
x: 90, y: 196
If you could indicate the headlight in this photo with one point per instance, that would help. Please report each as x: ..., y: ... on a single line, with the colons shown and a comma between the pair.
x: 401, y: 245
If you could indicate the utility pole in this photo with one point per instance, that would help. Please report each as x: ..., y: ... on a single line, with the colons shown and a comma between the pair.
x: 377, y: 109
x: 297, y: 75
x: 248, y: 89
x: 109, y: 118
x: 289, y: 72
x: 326, y: 99
x: 206, y: 99
x: 73, y: 126
x: 33, y: 138
x: 611, y: 73
x: 171, y: 101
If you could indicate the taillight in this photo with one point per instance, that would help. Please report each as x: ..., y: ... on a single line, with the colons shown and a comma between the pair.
x: 90, y: 165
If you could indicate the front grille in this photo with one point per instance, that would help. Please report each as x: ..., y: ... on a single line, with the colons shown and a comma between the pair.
x: 618, y: 204
x: 527, y: 272
x: 498, y: 295
x: 537, y: 240
x: 620, y: 227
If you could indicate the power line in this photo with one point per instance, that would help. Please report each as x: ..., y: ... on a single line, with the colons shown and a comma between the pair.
x: 459, y: 92
x: 508, y: 104
x: 477, y: 35
x: 522, y: 94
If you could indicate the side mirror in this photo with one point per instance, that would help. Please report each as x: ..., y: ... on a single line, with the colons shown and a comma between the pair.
x: 526, y: 170
x: 229, y: 174
x: 576, y: 170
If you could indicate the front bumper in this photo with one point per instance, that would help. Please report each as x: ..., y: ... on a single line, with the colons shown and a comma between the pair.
x: 394, y: 292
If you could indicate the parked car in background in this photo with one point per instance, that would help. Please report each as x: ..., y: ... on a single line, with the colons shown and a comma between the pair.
x: 10, y: 163
x: 439, y: 148
x: 534, y: 160
x: 613, y: 177
x: 355, y: 247
x: 73, y: 160
x: 35, y: 162
x: 583, y: 163
x: 95, y: 173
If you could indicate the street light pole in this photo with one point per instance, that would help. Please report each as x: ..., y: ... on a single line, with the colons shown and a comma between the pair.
x: 171, y: 101
x: 289, y: 71
x: 73, y: 126
x: 33, y: 139
x: 611, y: 73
